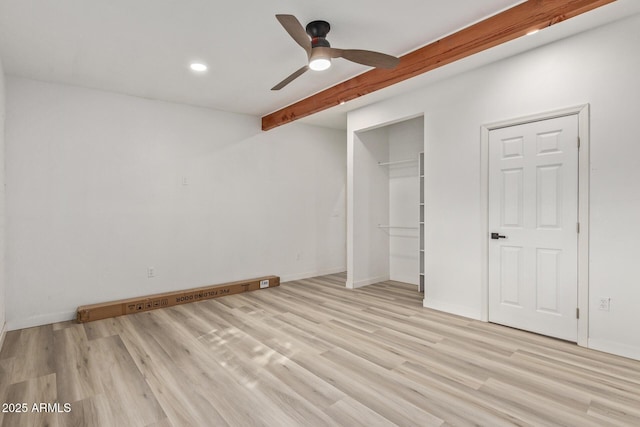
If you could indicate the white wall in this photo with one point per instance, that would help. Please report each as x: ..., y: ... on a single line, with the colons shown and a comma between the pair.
x: 2, y: 210
x: 599, y: 67
x: 95, y: 195
x: 368, y: 260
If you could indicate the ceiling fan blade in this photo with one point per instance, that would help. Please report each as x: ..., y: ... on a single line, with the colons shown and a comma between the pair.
x: 291, y: 78
x: 295, y: 30
x: 366, y: 57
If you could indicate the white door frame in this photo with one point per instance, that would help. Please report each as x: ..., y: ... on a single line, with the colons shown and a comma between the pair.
x: 582, y: 111
x: 352, y: 132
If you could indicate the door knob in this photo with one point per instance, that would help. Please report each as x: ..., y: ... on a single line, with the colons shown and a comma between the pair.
x: 496, y: 236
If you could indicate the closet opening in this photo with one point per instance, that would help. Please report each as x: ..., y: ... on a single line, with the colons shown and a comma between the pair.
x: 387, y: 212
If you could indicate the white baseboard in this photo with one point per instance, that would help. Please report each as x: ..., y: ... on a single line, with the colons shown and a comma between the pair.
x: 410, y: 279
x: 452, y: 309
x: 300, y: 276
x: 369, y: 281
x: 619, y: 349
x: 3, y: 333
x: 43, y: 319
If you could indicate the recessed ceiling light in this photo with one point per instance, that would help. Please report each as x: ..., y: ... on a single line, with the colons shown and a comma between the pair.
x: 533, y: 32
x: 196, y: 66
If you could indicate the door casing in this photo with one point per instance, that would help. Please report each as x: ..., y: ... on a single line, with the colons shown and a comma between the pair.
x: 582, y: 111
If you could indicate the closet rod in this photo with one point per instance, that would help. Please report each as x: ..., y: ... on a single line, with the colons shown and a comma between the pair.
x: 396, y: 162
x: 396, y: 226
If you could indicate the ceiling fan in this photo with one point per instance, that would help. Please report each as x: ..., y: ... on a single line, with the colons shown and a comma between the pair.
x: 320, y: 51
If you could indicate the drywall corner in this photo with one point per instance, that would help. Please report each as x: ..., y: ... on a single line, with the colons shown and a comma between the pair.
x: 3, y: 303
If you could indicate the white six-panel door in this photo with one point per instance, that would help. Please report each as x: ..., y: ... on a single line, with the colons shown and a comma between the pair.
x: 533, y: 203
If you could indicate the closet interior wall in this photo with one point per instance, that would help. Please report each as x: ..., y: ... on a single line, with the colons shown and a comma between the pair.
x: 405, y: 140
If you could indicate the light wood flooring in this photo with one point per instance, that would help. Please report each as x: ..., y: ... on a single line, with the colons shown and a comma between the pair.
x: 311, y: 353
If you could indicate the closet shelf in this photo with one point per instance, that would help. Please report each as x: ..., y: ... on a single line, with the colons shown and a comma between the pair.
x: 397, y: 226
x: 397, y: 162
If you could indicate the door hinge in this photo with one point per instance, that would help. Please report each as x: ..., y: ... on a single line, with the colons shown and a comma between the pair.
x: 577, y: 313
x: 577, y: 227
x: 578, y: 143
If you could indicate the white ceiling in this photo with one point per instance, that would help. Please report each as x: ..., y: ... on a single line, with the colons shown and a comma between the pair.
x: 144, y: 47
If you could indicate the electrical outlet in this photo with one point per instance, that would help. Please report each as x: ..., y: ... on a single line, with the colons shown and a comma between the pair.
x: 603, y: 304
x: 151, y: 272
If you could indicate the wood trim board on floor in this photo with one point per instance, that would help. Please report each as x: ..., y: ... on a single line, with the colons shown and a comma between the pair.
x: 87, y: 313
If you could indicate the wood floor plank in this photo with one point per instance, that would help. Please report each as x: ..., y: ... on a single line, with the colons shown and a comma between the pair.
x: 249, y: 354
x: 350, y: 412
x: 129, y: 397
x: 186, y: 368
x: 553, y: 412
x: 613, y: 413
x: 182, y: 406
x: 92, y: 411
x: 162, y: 423
x: 63, y: 325
x: 597, y: 383
x: 387, y: 405
x: 200, y: 371
x: 430, y: 399
x: 103, y: 328
x: 77, y: 378
x: 6, y: 371
x: 458, y: 390
x: 247, y: 359
x: 33, y: 391
x: 11, y: 345
x: 33, y: 352
x: 310, y: 353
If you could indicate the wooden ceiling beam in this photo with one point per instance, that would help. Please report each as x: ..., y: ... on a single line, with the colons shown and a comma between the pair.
x: 493, y: 31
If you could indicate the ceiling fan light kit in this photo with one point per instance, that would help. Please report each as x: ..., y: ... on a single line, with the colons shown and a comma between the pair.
x: 313, y: 39
x: 319, y: 60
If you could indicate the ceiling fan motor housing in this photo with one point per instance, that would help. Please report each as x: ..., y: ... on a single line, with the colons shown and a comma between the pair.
x: 318, y: 30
